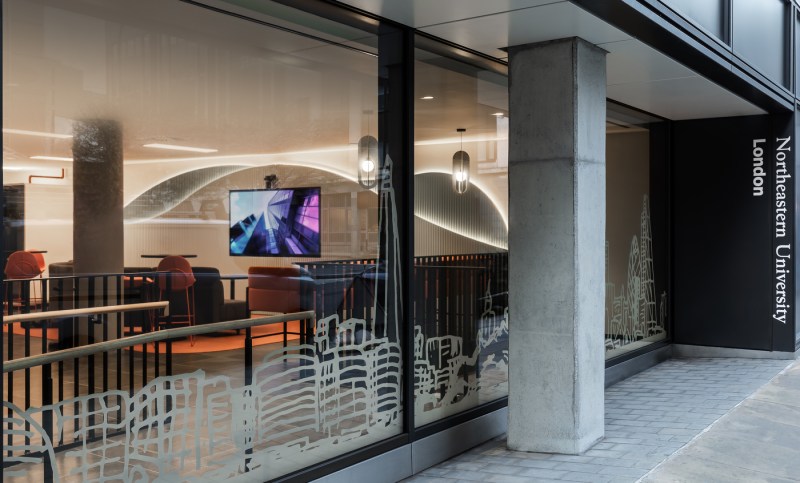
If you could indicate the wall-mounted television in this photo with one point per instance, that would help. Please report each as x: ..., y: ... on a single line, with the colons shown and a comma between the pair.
x: 275, y: 222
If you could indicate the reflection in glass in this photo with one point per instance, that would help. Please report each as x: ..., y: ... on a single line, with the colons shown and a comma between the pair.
x: 460, y: 305
x: 209, y: 105
x: 636, y: 298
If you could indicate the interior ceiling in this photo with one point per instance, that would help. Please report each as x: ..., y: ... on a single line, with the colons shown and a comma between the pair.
x: 174, y: 73
x: 637, y: 74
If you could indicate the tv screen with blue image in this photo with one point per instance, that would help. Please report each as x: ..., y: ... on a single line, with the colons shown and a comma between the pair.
x: 275, y: 222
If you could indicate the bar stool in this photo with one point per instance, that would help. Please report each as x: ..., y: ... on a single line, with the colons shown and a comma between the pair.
x: 39, y: 259
x: 175, y: 276
x: 22, y: 265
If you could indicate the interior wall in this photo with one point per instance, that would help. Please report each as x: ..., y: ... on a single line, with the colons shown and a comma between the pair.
x: 187, y: 229
x: 431, y: 239
x: 199, y: 225
x: 627, y: 183
x: 48, y: 221
x: 438, y: 158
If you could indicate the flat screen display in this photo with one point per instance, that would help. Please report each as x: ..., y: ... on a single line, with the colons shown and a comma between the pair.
x: 275, y: 222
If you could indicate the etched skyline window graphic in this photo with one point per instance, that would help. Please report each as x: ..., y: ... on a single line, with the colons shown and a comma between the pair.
x: 632, y: 313
x: 447, y: 380
x: 337, y: 393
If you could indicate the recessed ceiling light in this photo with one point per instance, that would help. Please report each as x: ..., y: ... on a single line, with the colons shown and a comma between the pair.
x: 498, y: 114
x: 38, y: 133
x: 180, y: 148
x: 15, y: 168
x: 426, y: 98
x: 52, y: 158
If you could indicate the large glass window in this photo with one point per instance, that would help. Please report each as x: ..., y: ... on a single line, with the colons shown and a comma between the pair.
x: 636, y: 292
x: 229, y: 167
x: 460, y: 307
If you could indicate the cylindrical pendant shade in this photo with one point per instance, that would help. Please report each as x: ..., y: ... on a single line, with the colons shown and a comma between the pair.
x: 460, y: 172
x: 367, y: 161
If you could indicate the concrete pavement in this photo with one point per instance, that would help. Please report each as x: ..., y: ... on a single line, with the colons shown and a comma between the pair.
x: 685, y: 420
x: 758, y: 441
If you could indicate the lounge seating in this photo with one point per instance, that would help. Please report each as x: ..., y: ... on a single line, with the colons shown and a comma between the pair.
x: 210, y: 301
x: 280, y: 290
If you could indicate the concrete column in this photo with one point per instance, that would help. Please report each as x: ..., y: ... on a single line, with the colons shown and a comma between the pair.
x: 97, y: 197
x: 97, y: 233
x: 556, y: 241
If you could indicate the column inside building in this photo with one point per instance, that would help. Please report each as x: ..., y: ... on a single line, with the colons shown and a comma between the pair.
x: 98, y: 230
x: 556, y: 245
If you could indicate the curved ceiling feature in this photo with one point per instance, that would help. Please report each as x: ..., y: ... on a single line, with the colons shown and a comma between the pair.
x: 168, y: 194
x: 208, y: 202
x: 472, y: 215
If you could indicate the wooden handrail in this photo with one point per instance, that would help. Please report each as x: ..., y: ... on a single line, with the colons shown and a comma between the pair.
x: 157, y: 336
x: 59, y: 314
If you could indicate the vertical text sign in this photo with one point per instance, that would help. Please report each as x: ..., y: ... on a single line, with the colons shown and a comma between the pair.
x: 783, y: 237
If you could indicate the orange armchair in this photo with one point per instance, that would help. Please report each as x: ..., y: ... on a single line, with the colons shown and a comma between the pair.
x: 280, y: 290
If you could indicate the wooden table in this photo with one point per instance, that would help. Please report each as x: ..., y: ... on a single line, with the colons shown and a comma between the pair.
x: 158, y: 255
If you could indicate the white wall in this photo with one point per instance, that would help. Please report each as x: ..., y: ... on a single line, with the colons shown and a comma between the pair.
x: 48, y: 220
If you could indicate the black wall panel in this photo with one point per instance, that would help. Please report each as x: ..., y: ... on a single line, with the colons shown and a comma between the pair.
x: 710, y: 14
x: 758, y: 34
x: 725, y: 236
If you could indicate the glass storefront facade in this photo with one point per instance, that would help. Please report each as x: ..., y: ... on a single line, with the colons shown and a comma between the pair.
x: 262, y: 149
x: 637, y: 297
x: 188, y: 110
x: 460, y: 236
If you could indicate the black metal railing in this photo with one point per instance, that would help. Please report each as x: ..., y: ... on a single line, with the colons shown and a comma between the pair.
x: 451, y: 291
x: 10, y: 367
x: 40, y: 295
x: 51, y: 439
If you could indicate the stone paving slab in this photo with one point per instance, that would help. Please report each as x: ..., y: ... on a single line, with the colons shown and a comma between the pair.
x: 758, y: 441
x: 649, y: 417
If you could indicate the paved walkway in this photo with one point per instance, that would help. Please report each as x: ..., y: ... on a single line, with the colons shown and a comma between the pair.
x: 652, y: 416
x: 758, y: 441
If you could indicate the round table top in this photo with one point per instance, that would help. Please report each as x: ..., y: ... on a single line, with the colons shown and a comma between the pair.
x: 165, y: 255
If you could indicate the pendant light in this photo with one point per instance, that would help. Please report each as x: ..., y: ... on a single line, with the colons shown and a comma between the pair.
x: 367, y: 157
x: 461, y: 167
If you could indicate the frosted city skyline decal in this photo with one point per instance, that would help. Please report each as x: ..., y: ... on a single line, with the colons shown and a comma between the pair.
x: 340, y: 390
x: 443, y: 383
x: 632, y: 311
x: 306, y: 404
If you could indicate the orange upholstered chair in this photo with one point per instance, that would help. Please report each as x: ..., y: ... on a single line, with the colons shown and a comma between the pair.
x: 175, y: 277
x: 22, y: 265
x: 280, y: 290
